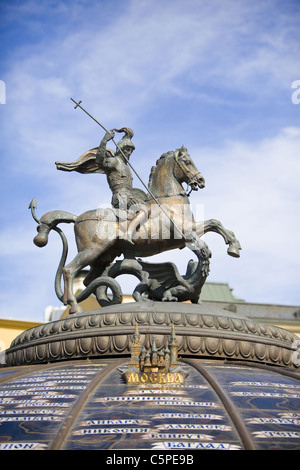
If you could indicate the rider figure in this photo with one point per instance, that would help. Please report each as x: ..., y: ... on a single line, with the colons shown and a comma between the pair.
x: 127, y: 200
x: 119, y: 176
x: 117, y: 171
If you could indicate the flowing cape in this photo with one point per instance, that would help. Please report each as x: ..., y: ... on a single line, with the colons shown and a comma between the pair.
x: 86, y: 163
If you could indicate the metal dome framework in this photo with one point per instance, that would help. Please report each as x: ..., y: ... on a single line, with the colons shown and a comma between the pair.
x: 63, y: 386
x: 85, y: 404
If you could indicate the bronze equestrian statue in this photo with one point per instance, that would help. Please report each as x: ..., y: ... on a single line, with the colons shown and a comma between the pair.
x: 138, y: 224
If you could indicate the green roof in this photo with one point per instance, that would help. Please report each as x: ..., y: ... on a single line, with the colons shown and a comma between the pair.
x: 218, y: 292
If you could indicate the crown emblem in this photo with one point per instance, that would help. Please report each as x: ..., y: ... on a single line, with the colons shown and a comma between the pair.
x: 154, y: 366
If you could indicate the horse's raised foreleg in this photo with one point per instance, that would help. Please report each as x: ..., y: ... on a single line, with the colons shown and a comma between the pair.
x: 213, y: 225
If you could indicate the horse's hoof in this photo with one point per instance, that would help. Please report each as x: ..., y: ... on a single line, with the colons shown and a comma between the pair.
x: 137, y: 297
x: 169, y: 298
x: 234, y: 251
x: 75, y: 309
x: 40, y: 240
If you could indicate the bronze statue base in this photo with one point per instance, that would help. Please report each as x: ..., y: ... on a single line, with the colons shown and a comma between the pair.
x: 201, y: 331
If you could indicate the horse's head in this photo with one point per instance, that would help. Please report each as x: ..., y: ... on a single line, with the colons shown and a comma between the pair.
x: 186, y: 171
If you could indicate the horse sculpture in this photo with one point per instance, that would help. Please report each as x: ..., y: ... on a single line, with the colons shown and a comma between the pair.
x: 163, y: 227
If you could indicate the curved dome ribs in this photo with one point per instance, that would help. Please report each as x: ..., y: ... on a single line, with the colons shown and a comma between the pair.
x: 227, y: 403
x: 71, y: 418
x: 86, y: 404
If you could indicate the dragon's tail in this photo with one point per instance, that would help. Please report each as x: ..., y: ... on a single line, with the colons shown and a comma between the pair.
x: 48, y: 222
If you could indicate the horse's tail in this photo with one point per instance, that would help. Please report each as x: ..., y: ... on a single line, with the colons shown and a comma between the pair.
x: 48, y: 222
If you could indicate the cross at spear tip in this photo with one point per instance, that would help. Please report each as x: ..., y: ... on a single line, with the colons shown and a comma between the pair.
x: 77, y: 104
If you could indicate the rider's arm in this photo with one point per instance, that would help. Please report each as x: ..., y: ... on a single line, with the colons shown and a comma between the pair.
x: 101, y: 157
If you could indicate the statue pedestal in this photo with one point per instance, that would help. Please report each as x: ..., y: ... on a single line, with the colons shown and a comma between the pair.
x: 201, y: 330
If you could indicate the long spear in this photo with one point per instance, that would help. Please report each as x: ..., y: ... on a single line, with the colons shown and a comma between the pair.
x: 126, y: 159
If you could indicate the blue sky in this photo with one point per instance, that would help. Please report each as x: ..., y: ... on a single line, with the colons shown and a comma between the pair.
x: 214, y: 75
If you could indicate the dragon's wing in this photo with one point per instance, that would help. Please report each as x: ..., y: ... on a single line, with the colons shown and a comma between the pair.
x: 165, y: 274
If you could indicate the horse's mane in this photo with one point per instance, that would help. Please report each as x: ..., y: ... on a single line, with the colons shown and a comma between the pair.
x: 159, y: 162
x: 163, y: 157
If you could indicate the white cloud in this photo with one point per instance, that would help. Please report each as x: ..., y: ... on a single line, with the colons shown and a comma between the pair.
x: 253, y: 188
x: 155, y: 48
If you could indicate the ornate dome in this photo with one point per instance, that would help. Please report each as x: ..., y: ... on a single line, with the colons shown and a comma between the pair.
x: 63, y: 385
